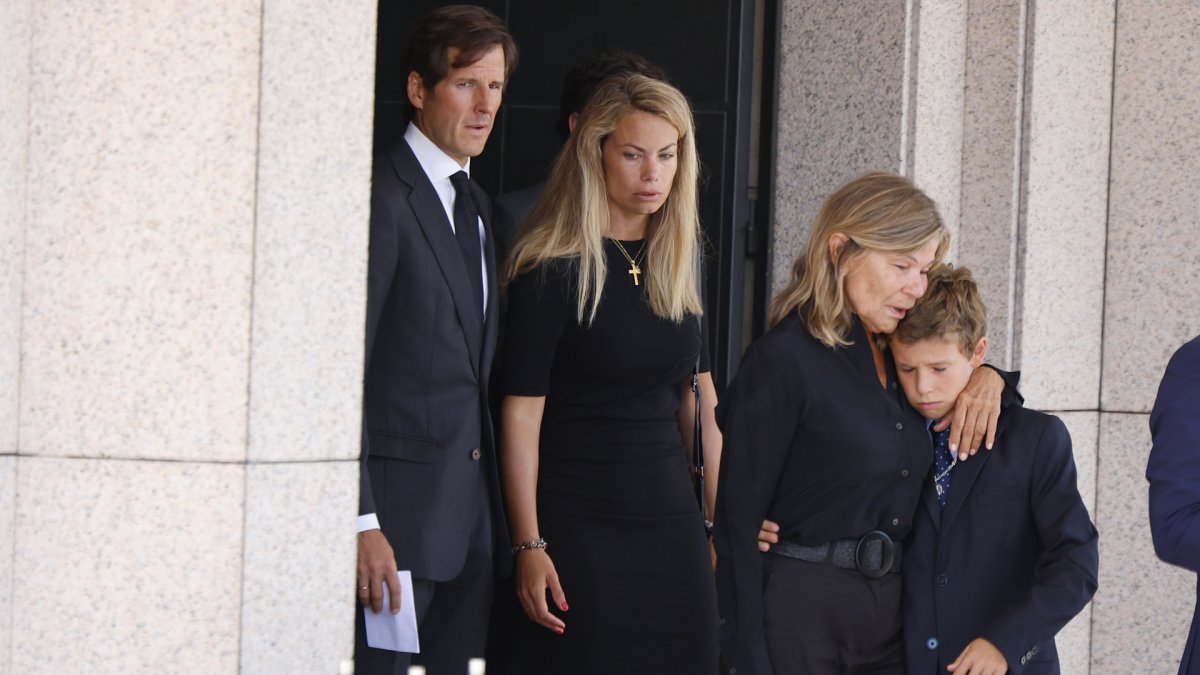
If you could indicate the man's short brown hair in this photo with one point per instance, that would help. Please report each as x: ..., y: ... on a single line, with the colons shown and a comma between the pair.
x: 950, y: 307
x: 473, y: 30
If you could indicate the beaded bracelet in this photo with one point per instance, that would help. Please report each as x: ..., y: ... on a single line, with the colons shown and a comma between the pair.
x: 526, y: 546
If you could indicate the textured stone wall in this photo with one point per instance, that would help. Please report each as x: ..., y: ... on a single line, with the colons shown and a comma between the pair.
x: 185, y: 191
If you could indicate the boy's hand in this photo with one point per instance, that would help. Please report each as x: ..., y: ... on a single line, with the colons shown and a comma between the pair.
x: 979, y: 658
x: 769, y: 534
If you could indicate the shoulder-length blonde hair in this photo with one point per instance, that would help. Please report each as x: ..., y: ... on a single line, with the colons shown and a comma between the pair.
x: 571, y: 218
x: 879, y: 212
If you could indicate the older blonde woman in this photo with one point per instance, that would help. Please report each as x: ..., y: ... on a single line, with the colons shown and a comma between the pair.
x: 603, y: 335
x: 821, y: 441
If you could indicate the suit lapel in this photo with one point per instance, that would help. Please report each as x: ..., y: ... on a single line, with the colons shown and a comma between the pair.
x: 965, y: 474
x: 491, y: 326
x: 930, y: 503
x: 432, y: 219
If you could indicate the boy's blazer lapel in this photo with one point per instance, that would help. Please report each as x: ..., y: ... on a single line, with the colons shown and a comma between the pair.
x: 930, y: 503
x: 965, y: 474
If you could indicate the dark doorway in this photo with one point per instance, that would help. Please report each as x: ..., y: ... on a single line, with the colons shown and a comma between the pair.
x: 707, y: 48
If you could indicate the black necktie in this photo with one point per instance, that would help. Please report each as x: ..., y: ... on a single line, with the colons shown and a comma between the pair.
x: 466, y: 229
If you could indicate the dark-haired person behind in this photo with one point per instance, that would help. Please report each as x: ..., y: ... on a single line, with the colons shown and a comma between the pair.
x: 429, y: 493
x: 604, y: 331
x: 819, y: 439
x: 1174, y: 474
x: 512, y: 208
x: 1002, y: 552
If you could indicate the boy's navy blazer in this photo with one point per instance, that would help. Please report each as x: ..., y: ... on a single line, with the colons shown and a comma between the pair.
x: 1011, y: 559
x: 1174, y: 474
x: 429, y: 462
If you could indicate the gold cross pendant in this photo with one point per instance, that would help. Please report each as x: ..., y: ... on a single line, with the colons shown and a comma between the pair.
x: 635, y: 271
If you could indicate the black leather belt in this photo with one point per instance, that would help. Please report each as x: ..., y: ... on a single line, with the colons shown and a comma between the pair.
x: 873, y: 555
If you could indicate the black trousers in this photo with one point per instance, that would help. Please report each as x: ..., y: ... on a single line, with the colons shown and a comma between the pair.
x: 452, y: 617
x: 823, y: 619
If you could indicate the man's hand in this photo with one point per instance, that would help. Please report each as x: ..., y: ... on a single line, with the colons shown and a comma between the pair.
x: 768, y: 535
x: 376, y: 567
x: 979, y: 658
x: 975, y: 413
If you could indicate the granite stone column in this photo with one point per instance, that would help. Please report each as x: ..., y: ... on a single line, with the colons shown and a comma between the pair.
x: 187, y: 205
x: 1151, y: 307
x: 14, y: 124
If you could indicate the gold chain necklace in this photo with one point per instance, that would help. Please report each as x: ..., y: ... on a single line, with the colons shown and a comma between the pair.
x: 634, y: 269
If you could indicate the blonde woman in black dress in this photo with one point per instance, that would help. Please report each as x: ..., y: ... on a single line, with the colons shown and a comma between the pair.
x: 603, y: 335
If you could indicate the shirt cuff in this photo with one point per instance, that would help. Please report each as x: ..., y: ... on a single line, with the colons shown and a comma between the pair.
x: 368, y: 521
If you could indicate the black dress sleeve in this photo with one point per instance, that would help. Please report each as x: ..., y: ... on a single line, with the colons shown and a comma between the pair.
x: 541, y: 304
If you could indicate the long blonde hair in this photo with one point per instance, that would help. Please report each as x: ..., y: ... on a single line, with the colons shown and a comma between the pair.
x: 571, y: 218
x: 879, y: 212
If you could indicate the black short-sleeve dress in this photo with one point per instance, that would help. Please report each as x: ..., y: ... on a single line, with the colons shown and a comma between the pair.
x: 614, y: 498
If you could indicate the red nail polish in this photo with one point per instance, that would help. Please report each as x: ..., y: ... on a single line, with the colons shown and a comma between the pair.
x: 560, y: 630
x: 564, y: 607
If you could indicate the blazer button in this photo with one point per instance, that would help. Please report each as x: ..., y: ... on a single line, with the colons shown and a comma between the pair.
x: 895, y: 522
x: 475, y: 454
x: 899, y: 426
x: 942, y: 580
x: 1024, y: 660
x: 931, y: 643
x: 904, y: 473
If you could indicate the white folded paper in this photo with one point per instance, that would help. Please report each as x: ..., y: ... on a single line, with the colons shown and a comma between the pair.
x: 397, y: 632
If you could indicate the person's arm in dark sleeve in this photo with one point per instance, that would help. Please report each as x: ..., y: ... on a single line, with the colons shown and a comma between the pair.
x: 381, y: 269
x: 376, y: 559
x: 758, y: 419
x: 1174, y: 466
x: 1066, y: 576
x: 976, y: 414
x: 1012, y: 395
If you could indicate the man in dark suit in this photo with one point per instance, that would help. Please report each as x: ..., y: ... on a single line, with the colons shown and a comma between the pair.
x: 1002, y: 552
x: 430, y: 499
x: 1174, y: 474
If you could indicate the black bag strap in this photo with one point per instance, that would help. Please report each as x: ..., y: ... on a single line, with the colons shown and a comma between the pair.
x: 697, y: 423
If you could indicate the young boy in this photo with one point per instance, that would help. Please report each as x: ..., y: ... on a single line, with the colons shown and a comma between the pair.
x: 1002, y: 552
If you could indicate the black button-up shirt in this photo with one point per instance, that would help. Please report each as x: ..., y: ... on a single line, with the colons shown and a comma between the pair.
x: 815, y: 443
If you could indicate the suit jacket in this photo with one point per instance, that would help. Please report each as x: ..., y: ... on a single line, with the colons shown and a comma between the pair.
x: 1174, y: 474
x: 428, y: 464
x: 1011, y: 559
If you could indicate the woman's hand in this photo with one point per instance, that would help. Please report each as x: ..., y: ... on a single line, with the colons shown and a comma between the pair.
x: 535, y: 574
x: 975, y: 413
x: 979, y: 658
x: 768, y: 535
